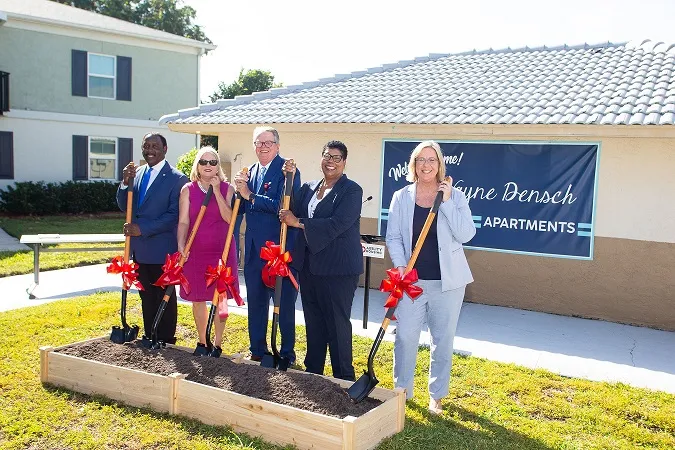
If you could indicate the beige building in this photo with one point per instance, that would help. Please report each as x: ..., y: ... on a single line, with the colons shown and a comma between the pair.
x: 621, y: 96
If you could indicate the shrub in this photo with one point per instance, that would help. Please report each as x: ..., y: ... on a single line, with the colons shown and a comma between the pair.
x: 40, y: 198
x: 185, y: 162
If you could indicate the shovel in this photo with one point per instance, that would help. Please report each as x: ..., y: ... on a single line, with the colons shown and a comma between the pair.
x: 274, y: 359
x: 125, y: 333
x: 155, y: 343
x: 365, y: 385
x: 226, y: 251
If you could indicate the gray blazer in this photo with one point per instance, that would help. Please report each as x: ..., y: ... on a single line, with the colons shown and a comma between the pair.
x: 454, y: 226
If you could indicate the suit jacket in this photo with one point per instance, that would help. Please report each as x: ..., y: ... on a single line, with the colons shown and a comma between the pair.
x: 262, y: 219
x: 454, y: 227
x: 157, y: 216
x: 332, y: 236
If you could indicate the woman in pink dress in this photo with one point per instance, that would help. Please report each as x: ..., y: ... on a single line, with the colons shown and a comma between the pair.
x: 207, y: 247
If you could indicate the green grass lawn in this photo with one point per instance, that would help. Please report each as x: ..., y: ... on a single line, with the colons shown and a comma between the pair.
x: 16, y: 263
x: 490, y: 406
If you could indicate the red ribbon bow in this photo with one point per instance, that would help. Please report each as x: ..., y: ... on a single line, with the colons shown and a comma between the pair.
x: 172, y: 273
x: 128, y: 271
x: 397, y: 286
x: 277, y: 264
x: 226, y: 283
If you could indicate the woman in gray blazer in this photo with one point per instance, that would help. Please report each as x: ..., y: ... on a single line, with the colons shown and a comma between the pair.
x: 442, y: 268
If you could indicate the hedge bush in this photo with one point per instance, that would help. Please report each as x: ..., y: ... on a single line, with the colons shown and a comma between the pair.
x: 185, y: 162
x: 72, y: 197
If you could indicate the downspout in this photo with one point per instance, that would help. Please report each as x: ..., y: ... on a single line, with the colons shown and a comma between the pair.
x: 199, y: 82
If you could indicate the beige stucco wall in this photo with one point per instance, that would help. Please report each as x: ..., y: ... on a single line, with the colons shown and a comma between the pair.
x: 39, y: 64
x: 630, y: 278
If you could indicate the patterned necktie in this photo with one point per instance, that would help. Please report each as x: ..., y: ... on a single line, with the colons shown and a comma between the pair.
x: 261, y: 177
x: 144, y: 185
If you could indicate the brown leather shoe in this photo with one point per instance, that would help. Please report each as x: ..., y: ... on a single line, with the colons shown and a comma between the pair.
x: 255, y: 358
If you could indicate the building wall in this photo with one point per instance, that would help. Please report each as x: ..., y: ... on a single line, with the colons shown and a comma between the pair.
x: 39, y: 64
x: 43, y: 148
x: 630, y: 278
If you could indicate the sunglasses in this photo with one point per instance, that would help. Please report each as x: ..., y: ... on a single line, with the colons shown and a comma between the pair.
x: 203, y: 162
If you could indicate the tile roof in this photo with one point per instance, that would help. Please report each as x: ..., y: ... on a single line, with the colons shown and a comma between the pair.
x: 617, y: 84
x: 52, y: 12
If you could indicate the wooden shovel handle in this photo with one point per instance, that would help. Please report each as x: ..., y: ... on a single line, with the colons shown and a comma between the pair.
x: 285, y: 204
x: 130, y: 207
x: 198, y: 221
x: 228, y: 238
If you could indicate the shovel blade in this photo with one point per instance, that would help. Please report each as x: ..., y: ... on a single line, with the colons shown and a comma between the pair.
x: 269, y: 361
x: 362, y: 387
x: 120, y: 335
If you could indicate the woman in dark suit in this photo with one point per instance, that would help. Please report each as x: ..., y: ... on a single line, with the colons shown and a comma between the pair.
x: 329, y: 257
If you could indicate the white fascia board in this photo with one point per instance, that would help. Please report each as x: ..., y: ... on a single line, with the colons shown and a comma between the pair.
x: 80, y: 118
x: 3, y: 17
x: 177, y: 44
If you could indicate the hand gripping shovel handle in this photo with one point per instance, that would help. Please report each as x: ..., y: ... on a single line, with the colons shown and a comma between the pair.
x: 171, y: 288
x: 226, y: 252
x: 278, y: 283
x: 365, y: 385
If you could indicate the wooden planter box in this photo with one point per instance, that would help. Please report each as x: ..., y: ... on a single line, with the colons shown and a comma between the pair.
x: 272, y: 422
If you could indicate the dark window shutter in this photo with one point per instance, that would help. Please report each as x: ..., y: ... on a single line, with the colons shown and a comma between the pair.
x: 123, y: 78
x: 79, y: 73
x: 6, y: 155
x: 80, y: 157
x: 125, y: 147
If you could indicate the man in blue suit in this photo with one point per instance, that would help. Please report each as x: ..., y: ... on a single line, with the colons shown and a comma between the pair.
x: 262, y: 190
x: 156, y: 188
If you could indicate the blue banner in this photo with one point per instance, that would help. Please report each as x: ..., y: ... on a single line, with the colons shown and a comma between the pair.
x: 533, y: 198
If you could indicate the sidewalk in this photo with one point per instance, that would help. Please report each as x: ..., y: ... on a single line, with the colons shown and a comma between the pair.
x: 10, y: 244
x: 591, y: 349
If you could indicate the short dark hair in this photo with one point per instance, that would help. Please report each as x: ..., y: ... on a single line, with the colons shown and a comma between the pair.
x: 161, y: 138
x: 337, y: 145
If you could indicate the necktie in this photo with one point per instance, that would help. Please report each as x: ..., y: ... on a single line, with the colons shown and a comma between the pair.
x: 144, y: 185
x: 261, y: 177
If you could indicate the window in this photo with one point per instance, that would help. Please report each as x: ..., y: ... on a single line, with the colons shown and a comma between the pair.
x: 101, y: 74
x: 102, y: 158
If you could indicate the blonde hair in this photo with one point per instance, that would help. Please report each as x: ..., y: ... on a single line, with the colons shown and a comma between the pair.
x: 412, y: 174
x: 260, y: 130
x: 194, y: 173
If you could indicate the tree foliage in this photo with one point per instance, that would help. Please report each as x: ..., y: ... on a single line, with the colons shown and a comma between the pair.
x: 164, y: 15
x: 186, y: 160
x: 248, y: 82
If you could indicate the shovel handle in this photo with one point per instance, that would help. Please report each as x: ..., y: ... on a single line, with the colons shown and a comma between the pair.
x: 130, y: 207
x: 198, y: 221
x: 285, y: 204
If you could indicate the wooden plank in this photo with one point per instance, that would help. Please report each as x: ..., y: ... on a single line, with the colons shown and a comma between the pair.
x: 131, y: 387
x: 348, y: 433
x: 400, y: 422
x: 44, y: 358
x: 273, y: 422
x: 173, y: 392
x: 376, y: 425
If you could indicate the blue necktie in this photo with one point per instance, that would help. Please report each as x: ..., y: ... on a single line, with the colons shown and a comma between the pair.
x: 144, y: 185
x: 261, y: 177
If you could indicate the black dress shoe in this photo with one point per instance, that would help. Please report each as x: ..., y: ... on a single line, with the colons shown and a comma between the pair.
x: 201, y: 350
x: 216, y: 352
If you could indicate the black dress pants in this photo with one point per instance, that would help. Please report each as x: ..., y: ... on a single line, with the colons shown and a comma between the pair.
x: 151, y: 298
x: 327, y: 305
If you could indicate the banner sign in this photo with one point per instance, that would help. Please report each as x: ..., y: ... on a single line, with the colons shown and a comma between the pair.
x: 373, y: 250
x: 525, y: 197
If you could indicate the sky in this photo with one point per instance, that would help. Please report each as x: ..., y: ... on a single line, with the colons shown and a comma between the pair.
x: 302, y: 40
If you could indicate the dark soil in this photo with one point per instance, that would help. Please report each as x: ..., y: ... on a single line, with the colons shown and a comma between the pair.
x: 300, y: 390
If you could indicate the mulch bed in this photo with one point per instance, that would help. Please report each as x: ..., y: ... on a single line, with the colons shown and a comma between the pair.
x: 296, y: 389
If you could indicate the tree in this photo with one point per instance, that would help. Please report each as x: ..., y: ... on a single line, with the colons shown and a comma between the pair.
x: 164, y: 15
x: 248, y: 82
x: 186, y: 160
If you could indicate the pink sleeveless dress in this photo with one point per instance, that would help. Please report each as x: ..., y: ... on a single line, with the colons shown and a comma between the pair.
x: 207, y: 247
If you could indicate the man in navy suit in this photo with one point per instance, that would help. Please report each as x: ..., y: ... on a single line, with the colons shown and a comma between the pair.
x: 262, y: 189
x: 156, y: 188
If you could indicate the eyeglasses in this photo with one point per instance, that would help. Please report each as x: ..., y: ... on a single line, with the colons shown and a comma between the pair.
x: 266, y: 144
x: 334, y: 158
x: 421, y: 160
x: 213, y: 162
